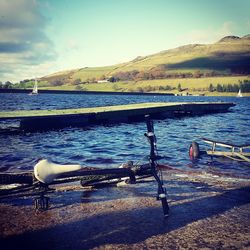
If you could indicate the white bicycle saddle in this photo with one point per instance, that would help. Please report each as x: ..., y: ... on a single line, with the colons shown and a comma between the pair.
x: 46, y: 171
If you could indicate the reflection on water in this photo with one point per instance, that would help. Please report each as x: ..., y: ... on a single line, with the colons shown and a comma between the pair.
x: 108, y: 146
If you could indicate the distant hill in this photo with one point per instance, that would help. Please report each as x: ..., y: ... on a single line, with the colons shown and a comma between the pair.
x: 229, y: 56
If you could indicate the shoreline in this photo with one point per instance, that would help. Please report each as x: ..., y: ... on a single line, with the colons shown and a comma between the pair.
x: 205, y: 212
x: 57, y: 91
x: 53, y: 91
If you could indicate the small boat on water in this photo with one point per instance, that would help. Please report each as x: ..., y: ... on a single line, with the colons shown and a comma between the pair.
x: 35, y: 89
x: 239, y: 94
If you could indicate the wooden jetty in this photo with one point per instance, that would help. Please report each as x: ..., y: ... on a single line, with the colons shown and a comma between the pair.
x: 46, y: 119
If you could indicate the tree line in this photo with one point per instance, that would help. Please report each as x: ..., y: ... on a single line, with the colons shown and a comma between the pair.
x: 158, y: 72
x: 6, y: 85
x: 244, y: 86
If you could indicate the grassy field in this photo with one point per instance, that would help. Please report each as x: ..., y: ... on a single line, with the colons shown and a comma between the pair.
x: 190, y: 85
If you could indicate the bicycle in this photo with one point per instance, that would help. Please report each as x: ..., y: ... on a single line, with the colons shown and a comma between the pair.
x: 45, y: 174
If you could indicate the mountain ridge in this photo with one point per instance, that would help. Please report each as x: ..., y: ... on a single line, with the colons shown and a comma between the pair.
x: 228, y: 56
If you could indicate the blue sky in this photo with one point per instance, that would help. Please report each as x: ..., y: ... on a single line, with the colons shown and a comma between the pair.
x: 39, y: 37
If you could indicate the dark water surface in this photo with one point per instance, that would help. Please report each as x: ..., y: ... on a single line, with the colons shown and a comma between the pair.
x: 109, y: 146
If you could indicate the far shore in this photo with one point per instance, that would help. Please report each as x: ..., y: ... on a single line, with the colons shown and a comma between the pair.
x: 58, y: 91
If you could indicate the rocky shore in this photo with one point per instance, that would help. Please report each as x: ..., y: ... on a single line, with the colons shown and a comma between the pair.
x: 206, y: 212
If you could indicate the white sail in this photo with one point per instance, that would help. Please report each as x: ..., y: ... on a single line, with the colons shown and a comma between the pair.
x: 239, y: 93
x: 35, y: 89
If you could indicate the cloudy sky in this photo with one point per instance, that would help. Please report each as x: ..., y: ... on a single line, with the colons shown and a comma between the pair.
x: 39, y: 37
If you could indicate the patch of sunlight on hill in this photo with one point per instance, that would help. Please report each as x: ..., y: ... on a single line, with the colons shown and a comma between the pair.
x: 92, y: 72
x: 61, y: 73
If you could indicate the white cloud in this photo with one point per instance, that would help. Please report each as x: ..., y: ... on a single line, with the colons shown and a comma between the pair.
x: 209, y: 35
x: 72, y: 45
x: 23, y: 42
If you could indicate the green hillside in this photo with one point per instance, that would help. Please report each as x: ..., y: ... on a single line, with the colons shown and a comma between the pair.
x: 202, y: 69
x: 229, y: 56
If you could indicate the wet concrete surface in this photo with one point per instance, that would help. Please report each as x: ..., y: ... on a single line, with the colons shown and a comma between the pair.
x: 206, y: 212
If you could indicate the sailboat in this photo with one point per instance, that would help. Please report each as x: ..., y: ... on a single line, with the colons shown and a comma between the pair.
x: 239, y: 93
x: 35, y: 89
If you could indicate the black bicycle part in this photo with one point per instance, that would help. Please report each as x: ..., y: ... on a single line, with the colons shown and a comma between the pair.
x: 113, y: 176
x: 22, y: 178
x: 42, y: 202
x: 152, y: 160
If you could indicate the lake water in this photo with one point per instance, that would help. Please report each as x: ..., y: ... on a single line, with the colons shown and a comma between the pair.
x: 109, y: 146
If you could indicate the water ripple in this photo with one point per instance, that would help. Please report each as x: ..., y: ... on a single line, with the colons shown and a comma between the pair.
x: 109, y: 146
